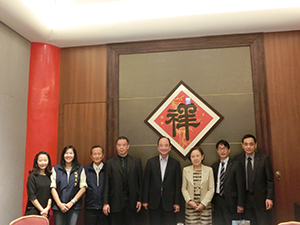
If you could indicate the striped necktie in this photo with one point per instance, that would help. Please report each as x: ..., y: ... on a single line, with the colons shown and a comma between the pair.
x: 222, y: 175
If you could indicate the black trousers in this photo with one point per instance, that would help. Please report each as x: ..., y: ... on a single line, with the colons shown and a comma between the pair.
x: 125, y: 217
x: 221, y: 214
x: 161, y: 217
x: 94, y: 217
x: 256, y: 216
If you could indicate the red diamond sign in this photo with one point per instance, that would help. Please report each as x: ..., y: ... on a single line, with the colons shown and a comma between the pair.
x: 184, y: 117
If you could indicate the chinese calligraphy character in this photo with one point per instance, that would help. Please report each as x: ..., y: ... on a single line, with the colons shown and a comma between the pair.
x: 183, y: 116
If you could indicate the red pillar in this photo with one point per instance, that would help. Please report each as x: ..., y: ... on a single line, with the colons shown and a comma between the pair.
x: 42, y: 112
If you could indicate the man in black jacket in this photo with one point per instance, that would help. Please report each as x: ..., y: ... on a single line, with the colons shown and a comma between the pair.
x: 122, y: 186
x: 94, y: 192
x: 162, y: 186
x: 259, y: 182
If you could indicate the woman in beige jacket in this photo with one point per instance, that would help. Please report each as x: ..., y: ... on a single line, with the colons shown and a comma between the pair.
x: 197, y: 189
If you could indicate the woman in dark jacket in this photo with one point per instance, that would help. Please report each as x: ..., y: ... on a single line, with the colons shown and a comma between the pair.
x: 68, y: 183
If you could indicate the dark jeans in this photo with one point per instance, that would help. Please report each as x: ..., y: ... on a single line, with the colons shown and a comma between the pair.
x: 68, y: 218
x: 94, y: 217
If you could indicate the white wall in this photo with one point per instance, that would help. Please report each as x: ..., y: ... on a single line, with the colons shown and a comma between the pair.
x: 14, y: 73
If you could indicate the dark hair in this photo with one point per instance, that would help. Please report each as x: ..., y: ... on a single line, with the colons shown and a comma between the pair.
x: 223, y: 142
x: 249, y: 136
x: 75, y: 160
x: 199, y: 149
x: 35, y: 169
x: 162, y: 138
x: 97, y: 146
x: 122, y: 138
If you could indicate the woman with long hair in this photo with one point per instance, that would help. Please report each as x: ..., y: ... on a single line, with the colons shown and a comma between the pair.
x: 68, y: 183
x: 198, y: 189
x: 38, y: 186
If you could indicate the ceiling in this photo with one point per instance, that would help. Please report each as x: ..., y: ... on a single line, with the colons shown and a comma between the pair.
x: 66, y: 23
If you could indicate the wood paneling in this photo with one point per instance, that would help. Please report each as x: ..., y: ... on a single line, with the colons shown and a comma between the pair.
x: 282, y: 52
x: 82, y: 100
x: 83, y: 74
x: 84, y: 126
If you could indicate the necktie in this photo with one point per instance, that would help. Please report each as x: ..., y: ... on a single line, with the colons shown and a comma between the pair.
x: 97, y: 172
x: 123, y: 165
x: 124, y: 170
x: 250, y: 174
x: 222, y: 176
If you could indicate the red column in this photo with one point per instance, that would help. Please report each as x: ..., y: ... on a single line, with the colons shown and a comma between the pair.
x: 42, y: 113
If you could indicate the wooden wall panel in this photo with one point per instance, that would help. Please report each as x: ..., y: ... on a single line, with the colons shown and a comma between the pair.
x: 282, y: 52
x: 82, y: 99
x: 83, y: 74
x: 84, y: 126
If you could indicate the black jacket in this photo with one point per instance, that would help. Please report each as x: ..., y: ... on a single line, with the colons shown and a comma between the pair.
x: 234, y: 184
x: 263, y: 181
x: 171, y: 185
x: 113, y: 183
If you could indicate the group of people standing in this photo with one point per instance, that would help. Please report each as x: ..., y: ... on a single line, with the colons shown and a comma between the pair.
x: 115, y: 191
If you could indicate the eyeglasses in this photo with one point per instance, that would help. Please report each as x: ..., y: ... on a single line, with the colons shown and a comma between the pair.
x: 223, y: 149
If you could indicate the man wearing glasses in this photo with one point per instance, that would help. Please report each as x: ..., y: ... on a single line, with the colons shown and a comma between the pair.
x: 229, y: 198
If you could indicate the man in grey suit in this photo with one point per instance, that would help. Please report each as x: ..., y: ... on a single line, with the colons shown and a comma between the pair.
x: 162, y: 186
x: 259, y: 182
x: 122, y: 186
x: 229, y: 198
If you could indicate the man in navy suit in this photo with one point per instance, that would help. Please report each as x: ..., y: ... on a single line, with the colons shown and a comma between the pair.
x: 162, y: 186
x: 122, y: 186
x: 229, y: 198
x: 259, y: 182
x: 94, y: 192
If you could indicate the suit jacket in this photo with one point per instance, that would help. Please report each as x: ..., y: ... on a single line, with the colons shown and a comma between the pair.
x: 170, y: 186
x: 263, y: 181
x: 234, y: 184
x: 113, y: 183
x: 207, y: 184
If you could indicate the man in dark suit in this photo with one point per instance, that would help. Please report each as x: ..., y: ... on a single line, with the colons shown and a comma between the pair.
x: 229, y: 198
x: 162, y: 186
x: 259, y: 182
x: 122, y: 186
